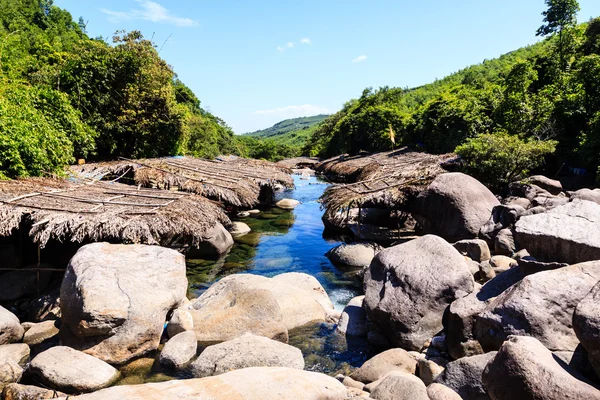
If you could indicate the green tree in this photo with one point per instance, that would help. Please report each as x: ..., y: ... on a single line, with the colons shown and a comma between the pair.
x: 560, y: 16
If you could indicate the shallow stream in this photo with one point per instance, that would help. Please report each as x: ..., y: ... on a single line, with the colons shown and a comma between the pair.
x: 285, y: 241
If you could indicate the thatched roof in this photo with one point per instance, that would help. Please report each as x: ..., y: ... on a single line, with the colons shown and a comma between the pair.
x: 91, y: 211
x: 299, y: 162
x: 382, y: 179
x: 234, y: 182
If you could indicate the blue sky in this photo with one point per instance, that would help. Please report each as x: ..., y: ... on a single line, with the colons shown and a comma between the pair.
x: 254, y: 63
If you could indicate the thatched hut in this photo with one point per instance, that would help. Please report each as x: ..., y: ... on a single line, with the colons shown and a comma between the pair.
x: 379, y: 181
x: 76, y: 211
x: 234, y: 182
x: 299, y: 162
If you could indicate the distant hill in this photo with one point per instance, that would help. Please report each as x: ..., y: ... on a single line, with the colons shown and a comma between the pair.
x: 292, y: 132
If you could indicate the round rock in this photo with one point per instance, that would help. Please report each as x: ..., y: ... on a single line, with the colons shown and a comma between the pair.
x: 179, y: 350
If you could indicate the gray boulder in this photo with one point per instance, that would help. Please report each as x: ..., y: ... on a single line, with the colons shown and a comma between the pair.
x: 353, y: 321
x: 10, y: 327
x: 569, y: 233
x: 400, y: 386
x: 525, y: 369
x: 504, y: 243
x: 41, y: 332
x: 455, y: 206
x: 394, y: 360
x: 408, y: 287
x: 459, y: 322
x: 115, y: 298
x: 217, y: 242
x: 503, y: 217
x: 245, y: 384
x: 550, y: 185
x: 181, y: 321
x: 475, y: 249
x: 72, y: 371
x: 586, y: 194
x: 464, y: 376
x: 353, y: 255
x: 586, y: 323
x: 245, y: 352
x: 17, y: 353
x: 541, y: 305
x: 179, y: 350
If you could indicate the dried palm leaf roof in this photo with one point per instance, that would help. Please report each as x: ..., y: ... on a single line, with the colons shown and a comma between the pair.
x: 234, y: 182
x: 382, y: 180
x: 82, y: 211
x: 299, y: 162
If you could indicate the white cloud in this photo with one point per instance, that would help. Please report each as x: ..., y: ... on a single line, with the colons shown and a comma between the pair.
x: 149, y: 11
x: 290, y: 44
x: 280, y: 49
x: 306, y: 41
x: 294, y: 111
x: 360, y: 59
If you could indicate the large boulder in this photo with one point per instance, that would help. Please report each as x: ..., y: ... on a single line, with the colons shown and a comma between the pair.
x: 586, y: 323
x: 552, y: 186
x: 179, y: 350
x: 569, y: 233
x: 10, y: 327
x: 217, y: 241
x: 245, y: 384
x: 408, y: 287
x: 437, y: 391
x: 455, y: 206
x: 353, y: 321
x: 16, y: 391
x: 503, y: 217
x: 476, y: 249
x: 115, y: 298
x: 72, y: 371
x: 400, y: 386
x: 245, y: 352
x: 459, y: 322
x: 587, y: 194
x: 541, y: 305
x: 250, y: 303
x: 382, y: 364
x: 353, y: 255
x: 464, y: 376
x: 525, y: 369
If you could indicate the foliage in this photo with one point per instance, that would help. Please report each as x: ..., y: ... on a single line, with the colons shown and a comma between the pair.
x: 560, y: 16
x: 498, y: 159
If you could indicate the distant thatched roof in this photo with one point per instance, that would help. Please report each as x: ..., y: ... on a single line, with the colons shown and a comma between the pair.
x: 79, y: 211
x: 299, y: 162
x: 234, y: 181
x: 382, y: 179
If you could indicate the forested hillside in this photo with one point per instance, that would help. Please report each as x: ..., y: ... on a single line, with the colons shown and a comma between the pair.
x: 293, y: 132
x: 64, y: 95
x: 504, y: 116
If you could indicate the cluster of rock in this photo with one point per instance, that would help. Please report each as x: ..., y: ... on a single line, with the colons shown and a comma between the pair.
x: 499, y: 300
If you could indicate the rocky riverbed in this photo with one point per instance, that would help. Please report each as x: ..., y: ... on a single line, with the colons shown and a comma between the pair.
x: 493, y: 298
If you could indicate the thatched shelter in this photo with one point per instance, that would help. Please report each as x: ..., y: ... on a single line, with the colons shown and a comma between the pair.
x: 234, y: 182
x: 299, y: 162
x: 90, y: 211
x: 383, y: 180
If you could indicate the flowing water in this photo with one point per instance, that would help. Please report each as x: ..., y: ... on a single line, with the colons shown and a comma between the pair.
x: 285, y: 241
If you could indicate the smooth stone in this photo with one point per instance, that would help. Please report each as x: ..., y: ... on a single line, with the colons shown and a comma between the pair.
x: 464, y: 376
x: 353, y: 255
x: 179, y: 350
x: 525, y: 369
x: 10, y: 327
x: 502, y: 263
x: 552, y: 186
x: 518, y: 201
x: 72, y: 371
x: 253, y: 212
x: 239, y: 229
x: 475, y: 249
x: 17, y: 353
x: 504, y: 243
x: 15, y: 391
x: 586, y: 194
x: 41, y: 332
x: 400, y: 386
x: 429, y: 370
x: 351, y: 383
x: 384, y: 363
x: 437, y: 391
x: 287, y: 204
x: 408, y: 287
x: 455, y: 206
x: 540, y: 305
x: 245, y: 352
x: 181, y: 321
x: 217, y: 242
x: 503, y: 217
x: 260, y: 383
x: 10, y: 372
x: 115, y: 299
x: 569, y: 233
x: 486, y: 272
x: 353, y: 321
